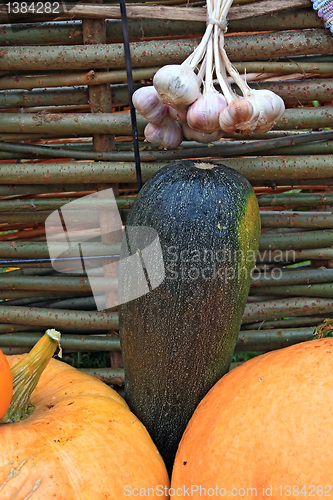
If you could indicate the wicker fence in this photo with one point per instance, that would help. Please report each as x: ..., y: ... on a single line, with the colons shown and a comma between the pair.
x: 66, y: 131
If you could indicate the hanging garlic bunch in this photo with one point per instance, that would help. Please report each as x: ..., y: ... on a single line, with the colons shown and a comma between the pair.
x: 162, y: 129
x: 148, y: 104
x: 178, y: 114
x: 256, y: 110
x: 203, y: 114
x: 185, y: 93
x: 168, y: 134
x: 177, y: 85
x: 193, y: 135
x: 270, y: 107
x: 239, y: 115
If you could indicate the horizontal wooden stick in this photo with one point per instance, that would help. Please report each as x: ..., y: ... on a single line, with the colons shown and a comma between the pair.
x: 291, y: 92
x: 282, y: 145
x: 181, y: 13
x: 53, y: 285
x: 298, y: 276
x: 70, y: 33
x: 73, y: 79
x: 293, y: 322
x: 267, y: 340
x: 22, y: 190
x: 275, y: 218
x: 282, y: 257
x: 289, y: 307
x: 159, y: 52
x: 295, y: 200
x: 250, y: 340
x: 119, y: 76
x: 39, y: 210
x: 324, y: 290
x: 40, y: 249
x: 28, y: 295
x: 174, y: 13
x: 86, y: 124
x: 93, y: 320
x: 258, y: 170
x: 298, y: 240
x: 67, y: 284
x: 45, y: 204
x: 58, y: 317
x: 314, y: 220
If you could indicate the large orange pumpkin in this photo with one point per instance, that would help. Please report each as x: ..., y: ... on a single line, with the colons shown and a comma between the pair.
x: 81, y: 442
x: 6, y: 384
x: 265, y: 430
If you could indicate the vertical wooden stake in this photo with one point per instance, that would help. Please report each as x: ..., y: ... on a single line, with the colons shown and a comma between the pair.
x: 94, y: 32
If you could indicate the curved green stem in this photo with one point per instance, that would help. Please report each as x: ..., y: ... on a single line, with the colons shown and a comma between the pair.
x: 26, y: 374
x: 325, y: 329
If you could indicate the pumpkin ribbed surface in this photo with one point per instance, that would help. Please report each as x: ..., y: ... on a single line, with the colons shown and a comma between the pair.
x: 266, y: 424
x: 80, y: 443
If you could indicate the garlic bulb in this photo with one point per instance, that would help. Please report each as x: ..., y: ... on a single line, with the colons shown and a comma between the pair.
x: 148, y: 104
x: 203, y: 114
x: 178, y: 114
x: 194, y: 135
x: 206, y: 116
x: 177, y: 85
x: 271, y: 108
x: 168, y: 134
x: 240, y: 115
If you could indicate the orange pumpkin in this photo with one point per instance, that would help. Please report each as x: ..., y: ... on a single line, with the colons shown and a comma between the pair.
x: 81, y: 442
x: 265, y: 430
x: 6, y: 384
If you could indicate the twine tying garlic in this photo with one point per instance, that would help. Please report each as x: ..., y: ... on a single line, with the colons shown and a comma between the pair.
x: 185, y: 93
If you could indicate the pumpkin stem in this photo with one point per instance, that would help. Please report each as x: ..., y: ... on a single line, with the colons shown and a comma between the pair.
x: 26, y: 374
x: 325, y: 329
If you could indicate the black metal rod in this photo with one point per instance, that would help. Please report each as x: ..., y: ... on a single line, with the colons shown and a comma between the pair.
x: 130, y: 92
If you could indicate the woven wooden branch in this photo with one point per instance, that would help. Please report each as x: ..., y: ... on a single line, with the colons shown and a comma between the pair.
x: 165, y: 12
x: 69, y: 33
x: 250, y: 340
x: 259, y: 170
x: 160, y: 52
x: 180, y: 13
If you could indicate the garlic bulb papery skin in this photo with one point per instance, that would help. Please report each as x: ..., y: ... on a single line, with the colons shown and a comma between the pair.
x: 239, y: 116
x: 177, y: 85
x: 203, y: 115
x: 168, y: 134
x: 271, y: 108
x: 194, y: 135
x: 178, y: 114
x: 148, y: 104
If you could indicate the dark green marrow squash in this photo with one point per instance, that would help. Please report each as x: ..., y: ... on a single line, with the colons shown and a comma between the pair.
x: 178, y: 339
